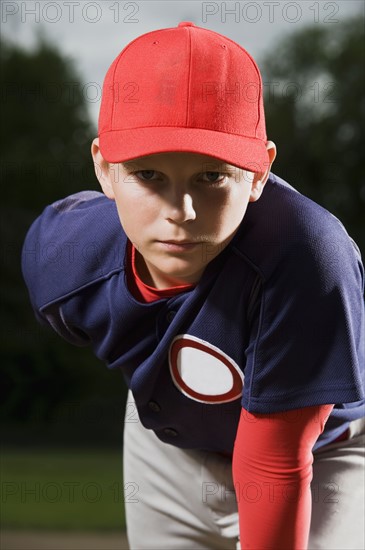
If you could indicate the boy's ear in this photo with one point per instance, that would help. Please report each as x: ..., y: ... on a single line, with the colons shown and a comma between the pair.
x: 260, y: 178
x: 102, y: 169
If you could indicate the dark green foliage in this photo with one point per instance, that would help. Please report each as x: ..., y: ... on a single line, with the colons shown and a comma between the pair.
x: 45, y: 139
x: 45, y: 133
x: 315, y: 111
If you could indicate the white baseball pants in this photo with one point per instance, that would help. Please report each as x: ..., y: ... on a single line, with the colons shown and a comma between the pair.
x: 178, y: 499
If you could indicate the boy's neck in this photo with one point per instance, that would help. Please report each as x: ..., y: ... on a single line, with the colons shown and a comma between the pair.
x: 144, y: 276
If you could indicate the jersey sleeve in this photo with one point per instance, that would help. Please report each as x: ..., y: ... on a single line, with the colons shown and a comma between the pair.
x: 75, y: 243
x: 307, y: 339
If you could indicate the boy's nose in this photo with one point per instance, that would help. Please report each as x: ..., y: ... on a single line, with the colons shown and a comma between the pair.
x: 180, y: 208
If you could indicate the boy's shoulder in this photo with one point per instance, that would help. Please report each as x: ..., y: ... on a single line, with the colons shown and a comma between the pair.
x: 75, y: 242
x: 285, y: 227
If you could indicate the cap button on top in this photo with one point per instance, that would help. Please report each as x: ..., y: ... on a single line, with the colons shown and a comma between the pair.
x: 186, y: 24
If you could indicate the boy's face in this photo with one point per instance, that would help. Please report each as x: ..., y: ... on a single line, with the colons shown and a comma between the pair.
x: 180, y: 210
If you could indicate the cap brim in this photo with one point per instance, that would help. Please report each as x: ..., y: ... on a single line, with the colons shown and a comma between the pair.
x: 122, y: 145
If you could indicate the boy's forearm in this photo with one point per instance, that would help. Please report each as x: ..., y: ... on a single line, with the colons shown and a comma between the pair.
x: 272, y: 471
x: 274, y: 515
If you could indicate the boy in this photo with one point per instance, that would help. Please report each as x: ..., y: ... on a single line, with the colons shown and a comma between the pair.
x: 232, y: 304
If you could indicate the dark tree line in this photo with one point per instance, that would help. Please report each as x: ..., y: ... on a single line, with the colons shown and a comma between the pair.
x: 315, y: 109
x: 45, y: 139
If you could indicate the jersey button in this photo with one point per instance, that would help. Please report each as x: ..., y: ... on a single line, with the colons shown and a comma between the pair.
x: 170, y: 432
x: 155, y: 407
x: 170, y: 315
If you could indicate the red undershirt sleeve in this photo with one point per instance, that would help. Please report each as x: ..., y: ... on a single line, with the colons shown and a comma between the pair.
x: 272, y: 471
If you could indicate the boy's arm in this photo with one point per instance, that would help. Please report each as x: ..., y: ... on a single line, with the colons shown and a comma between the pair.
x: 272, y: 471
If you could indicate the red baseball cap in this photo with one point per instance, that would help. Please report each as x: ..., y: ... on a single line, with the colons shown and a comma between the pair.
x: 184, y: 89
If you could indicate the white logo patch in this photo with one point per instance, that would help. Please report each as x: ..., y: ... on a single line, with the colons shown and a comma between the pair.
x: 203, y: 372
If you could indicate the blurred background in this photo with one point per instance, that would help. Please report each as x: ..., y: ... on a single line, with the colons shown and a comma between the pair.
x: 62, y: 409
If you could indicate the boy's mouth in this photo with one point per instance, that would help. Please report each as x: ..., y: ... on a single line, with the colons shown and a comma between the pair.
x: 179, y: 242
x: 178, y: 246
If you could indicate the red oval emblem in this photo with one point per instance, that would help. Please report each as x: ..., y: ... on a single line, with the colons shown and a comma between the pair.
x: 203, y: 372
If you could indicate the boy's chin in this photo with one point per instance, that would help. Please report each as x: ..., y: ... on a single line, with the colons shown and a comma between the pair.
x: 167, y: 276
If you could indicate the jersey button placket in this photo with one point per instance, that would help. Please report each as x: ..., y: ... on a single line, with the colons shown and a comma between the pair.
x: 170, y: 316
x: 170, y: 432
x: 153, y: 406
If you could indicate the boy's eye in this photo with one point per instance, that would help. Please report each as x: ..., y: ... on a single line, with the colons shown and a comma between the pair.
x: 146, y: 175
x: 207, y: 177
x: 213, y: 177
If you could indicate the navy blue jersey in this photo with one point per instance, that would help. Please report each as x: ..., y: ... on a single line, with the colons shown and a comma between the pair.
x: 275, y: 323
